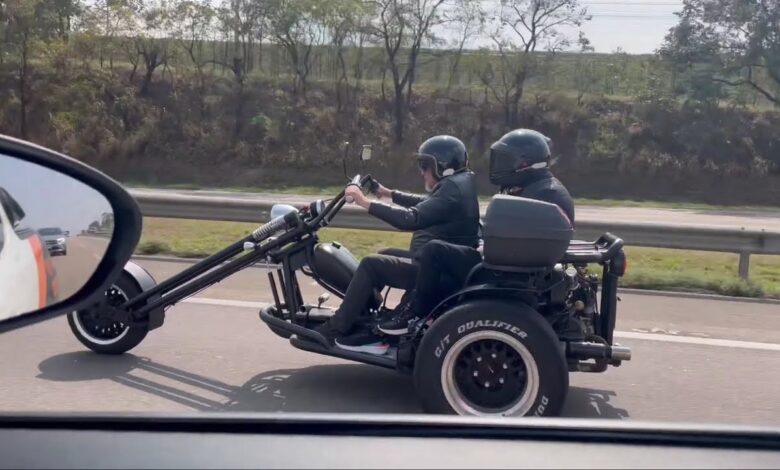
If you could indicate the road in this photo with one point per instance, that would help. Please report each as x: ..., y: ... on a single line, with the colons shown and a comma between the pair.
x: 74, y: 269
x: 732, y: 218
x: 695, y: 360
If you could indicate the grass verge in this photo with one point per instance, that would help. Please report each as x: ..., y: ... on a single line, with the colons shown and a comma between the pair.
x: 649, y: 268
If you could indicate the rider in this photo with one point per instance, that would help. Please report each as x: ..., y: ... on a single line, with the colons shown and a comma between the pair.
x: 450, y: 212
x: 519, y: 165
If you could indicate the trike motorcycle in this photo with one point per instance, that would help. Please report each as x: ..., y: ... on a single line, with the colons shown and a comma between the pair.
x: 503, y: 345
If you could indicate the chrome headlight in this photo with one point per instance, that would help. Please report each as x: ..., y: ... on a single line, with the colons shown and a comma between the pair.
x: 280, y: 210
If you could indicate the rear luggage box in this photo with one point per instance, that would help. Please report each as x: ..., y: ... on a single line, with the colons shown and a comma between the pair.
x: 525, y: 233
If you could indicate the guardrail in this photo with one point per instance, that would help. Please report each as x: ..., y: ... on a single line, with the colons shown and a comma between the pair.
x: 687, y: 237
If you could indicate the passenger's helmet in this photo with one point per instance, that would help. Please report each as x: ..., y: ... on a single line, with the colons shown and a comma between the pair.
x: 444, y: 153
x: 517, y: 155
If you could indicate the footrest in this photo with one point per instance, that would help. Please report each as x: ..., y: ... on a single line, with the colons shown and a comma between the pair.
x: 388, y: 360
x: 292, y: 328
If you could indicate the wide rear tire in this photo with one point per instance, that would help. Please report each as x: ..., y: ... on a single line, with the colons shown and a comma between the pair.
x: 491, y: 358
x: 104, y: 335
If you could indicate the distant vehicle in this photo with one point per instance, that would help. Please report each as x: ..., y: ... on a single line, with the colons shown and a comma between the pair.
x: 55, y: 240
x: 23, y: 260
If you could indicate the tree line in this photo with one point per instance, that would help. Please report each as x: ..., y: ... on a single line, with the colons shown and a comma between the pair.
x: 149, y: 81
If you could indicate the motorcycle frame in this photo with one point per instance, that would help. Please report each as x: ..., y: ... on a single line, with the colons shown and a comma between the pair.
x: 291, y: 249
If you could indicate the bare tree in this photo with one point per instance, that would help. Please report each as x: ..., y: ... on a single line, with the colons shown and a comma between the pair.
x: 298, y: 26
x: 150, y: 43
x: 403, y: 26
x: 27, y: 26
x: 521, y: 28
x: 192, y: 22
x: 345, y: 24
x: 106, y: 21
x: 467, y: 19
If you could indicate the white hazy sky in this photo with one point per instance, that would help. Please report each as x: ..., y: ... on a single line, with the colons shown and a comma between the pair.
x: 636, y: 26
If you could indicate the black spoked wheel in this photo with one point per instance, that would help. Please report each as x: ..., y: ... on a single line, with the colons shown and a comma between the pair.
x: 491, y: 358
x: 491, y: 373
x: 102, y: 333
x: 102, y: 329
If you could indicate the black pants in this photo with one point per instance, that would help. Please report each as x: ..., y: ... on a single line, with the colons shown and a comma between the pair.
x: 373, y: 272
x: 443, y: 270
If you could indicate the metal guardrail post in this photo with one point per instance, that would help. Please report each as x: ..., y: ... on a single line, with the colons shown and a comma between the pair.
x: 744, y: 265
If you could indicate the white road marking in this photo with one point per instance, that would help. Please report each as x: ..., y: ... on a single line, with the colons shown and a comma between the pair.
x: 722, y: 343
x: 225, y: 302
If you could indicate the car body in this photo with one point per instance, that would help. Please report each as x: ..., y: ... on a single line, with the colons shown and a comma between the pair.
x: 55, y: 240
x: 24, y: 260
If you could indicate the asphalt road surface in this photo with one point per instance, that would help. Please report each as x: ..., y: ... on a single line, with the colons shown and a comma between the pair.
x: 74, y: 269
x: 694, y: 361
x: 735, y: 218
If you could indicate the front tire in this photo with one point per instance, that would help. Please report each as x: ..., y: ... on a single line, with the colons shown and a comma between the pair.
x: 104, y: 335
x: 491, y: 358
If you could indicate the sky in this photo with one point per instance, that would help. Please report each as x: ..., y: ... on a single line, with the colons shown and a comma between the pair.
x: 635, y: 26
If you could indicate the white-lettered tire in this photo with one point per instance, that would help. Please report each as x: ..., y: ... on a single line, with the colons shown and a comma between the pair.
x: 491, y: 358
x: 102, y: 334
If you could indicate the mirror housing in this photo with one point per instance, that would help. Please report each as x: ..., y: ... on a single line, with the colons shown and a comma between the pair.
x: 366, y: 153
x: 126, y: 228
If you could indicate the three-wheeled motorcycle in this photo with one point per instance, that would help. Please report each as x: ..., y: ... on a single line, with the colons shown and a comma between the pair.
x: 503, y: 345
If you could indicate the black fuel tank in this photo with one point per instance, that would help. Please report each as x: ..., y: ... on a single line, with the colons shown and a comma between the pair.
x: 334, y: 264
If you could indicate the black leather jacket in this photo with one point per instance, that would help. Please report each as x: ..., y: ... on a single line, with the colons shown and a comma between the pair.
x: 546, y: 187
x: 449, y: 213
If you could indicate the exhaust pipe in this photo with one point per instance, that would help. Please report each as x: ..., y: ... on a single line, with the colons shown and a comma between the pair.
x: 583, y: 350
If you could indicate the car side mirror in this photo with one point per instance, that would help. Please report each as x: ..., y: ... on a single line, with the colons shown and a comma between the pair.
x: 44, y: 196
x: 366, y: 153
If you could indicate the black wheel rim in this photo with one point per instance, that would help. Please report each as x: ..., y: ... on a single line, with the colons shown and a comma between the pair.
x: 490, y: 374
x: 103, y: 327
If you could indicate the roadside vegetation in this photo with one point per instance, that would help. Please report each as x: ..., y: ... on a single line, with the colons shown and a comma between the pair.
x: 251, y: 93
x: 649, y: 268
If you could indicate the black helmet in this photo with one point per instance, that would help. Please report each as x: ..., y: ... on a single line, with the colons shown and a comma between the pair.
x: 517, y: 156
x: 444, y: 153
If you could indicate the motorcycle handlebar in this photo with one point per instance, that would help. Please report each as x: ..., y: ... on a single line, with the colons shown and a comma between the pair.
x: 336, y: 203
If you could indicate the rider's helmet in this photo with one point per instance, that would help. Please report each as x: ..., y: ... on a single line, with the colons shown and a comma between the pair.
x: 518, y: 156
x: 444, y: 153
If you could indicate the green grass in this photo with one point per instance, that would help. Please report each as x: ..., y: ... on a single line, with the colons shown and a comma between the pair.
x: 649, y: 268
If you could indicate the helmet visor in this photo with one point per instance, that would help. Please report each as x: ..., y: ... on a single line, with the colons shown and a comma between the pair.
x: 426, y: 162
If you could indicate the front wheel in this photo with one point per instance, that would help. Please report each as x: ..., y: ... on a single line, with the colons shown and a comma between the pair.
x: 491, y: 358
x: 103, y: 334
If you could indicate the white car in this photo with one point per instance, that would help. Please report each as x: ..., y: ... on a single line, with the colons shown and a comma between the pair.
x: 25, y: 261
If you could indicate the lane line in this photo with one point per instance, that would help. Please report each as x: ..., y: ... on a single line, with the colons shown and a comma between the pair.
x: 225, y: 302
x: 723, y: 343
x: 715, y: 342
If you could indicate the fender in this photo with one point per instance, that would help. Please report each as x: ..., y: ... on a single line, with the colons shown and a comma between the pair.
x: 476, y: 291
x: 145, y: 281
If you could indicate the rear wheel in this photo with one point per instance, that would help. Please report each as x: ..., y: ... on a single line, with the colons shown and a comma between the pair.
x: 103, y: 334
x: 491, y: 358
